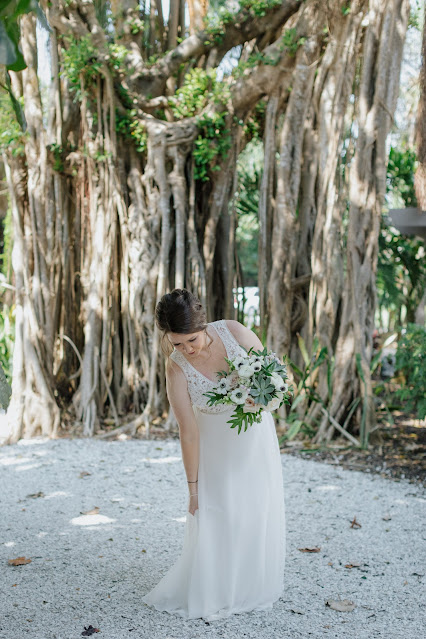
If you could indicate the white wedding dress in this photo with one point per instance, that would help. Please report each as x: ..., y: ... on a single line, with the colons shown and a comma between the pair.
x: 233, y: 553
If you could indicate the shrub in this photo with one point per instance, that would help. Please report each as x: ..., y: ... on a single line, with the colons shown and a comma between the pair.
x: 411, y: 363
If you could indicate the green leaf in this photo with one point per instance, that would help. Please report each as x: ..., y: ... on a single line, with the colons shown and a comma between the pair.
x: 293, y: 430
x: 19, y: 112
x: 303, y: 349
x: 5, y: 390
x: 359, y: 367
x: 8, y: 46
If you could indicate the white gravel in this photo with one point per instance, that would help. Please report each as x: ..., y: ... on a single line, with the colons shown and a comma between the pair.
x: 94, y: 569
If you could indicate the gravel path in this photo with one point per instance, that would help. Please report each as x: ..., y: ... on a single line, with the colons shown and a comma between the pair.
x: 93, y: 569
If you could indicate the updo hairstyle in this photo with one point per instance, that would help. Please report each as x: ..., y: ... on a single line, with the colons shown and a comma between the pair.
x: 179, y: 312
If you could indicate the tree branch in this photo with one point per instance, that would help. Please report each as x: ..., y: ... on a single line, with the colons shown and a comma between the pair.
x: 235, y: 32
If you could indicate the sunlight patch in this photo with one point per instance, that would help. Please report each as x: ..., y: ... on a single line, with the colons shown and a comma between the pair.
x: 161, y: 460
x: 91, y: 520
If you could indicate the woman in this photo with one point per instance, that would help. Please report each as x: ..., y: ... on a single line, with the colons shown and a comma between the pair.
x: 233, y: 553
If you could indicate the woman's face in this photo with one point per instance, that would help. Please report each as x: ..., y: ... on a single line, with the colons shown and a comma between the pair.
x: 189, y: 344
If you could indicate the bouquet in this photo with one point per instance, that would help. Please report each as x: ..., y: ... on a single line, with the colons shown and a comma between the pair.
x: 254, y: 383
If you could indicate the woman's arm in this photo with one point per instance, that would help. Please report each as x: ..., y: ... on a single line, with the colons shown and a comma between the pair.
x: 177, y: 393
x: 244, y: 335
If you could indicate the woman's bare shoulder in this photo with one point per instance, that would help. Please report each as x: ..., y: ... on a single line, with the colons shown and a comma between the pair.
x: 235, y: 327
x: 173, y: 370
x: 244, y: 336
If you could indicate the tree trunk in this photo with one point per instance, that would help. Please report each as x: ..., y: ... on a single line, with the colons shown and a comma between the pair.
x: 111, y: 209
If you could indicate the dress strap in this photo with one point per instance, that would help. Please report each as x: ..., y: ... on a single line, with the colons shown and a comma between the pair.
x: 177, y: 357
x: 232, y: 347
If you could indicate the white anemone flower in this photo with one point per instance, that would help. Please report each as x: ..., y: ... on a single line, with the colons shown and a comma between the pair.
x: 238, y: 362
x: 239, y: 396
x: 279, y: 383
x: 223, y: 386
x: 256, y: 366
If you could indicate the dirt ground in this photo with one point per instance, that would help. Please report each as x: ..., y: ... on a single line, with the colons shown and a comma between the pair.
x: 400, y: 452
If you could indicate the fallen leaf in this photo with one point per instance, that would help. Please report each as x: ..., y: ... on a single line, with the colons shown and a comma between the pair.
x: 13, y: 585
x: 330, y: 563
x: 354, y: 564
x: 84, y: 473
x: 89, y: 631
x: 143, y: 550
x: 355, y: 524
x: 94, y: 511
x: 35, y: 495
x: 343, y: 605
x: 310, y: 549
x: 19, y: 561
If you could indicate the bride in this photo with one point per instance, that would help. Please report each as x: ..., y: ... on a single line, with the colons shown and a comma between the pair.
x: 233, y: 551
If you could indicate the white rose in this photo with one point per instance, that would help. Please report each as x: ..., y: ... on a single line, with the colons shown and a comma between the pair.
x: 273, y: 404
x: 246, y: 370
x: 239, y: 396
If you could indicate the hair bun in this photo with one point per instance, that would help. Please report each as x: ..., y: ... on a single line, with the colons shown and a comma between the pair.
x: 180, y: 311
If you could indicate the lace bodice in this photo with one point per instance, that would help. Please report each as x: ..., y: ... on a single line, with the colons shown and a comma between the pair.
x: 199, y: 383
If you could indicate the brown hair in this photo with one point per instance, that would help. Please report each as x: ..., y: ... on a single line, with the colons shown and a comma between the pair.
x: 179, y: 312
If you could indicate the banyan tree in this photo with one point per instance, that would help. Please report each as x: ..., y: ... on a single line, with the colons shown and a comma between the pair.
x: 123, y: 186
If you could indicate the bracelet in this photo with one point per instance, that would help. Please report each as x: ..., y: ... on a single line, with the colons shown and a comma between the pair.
x: 193, y: 495
x: 192, y: 482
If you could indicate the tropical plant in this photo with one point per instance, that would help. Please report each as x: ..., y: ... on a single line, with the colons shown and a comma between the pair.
x: 411, y: 364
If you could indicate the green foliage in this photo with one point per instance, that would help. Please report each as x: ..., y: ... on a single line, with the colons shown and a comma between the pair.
x: 199, y: 87
x: 400, y: 176
x: 80, y: 61
x: 401, y: 271
x: 411, y: 362
x: 6, y: 255
x: 415, y: 19
x: 10, y: 51
x: 212, y: 144
x: 7, y: 335
x: 306, y: 393
x: 291, y: 42
x: 118, y: 54
x: 254, y: 125
x: 57, y: 150
x: 200, y: 90
x: 220, y: 16
x: 401, y: 267
x: 12, y: 137
x: 346, y: 8
x: 258, y: 8
x: 130, y: 127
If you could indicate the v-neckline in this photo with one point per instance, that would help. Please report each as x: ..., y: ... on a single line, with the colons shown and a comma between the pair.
x: 196, y: 369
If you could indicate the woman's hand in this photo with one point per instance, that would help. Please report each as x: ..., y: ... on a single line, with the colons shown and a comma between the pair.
x: 193, y: 504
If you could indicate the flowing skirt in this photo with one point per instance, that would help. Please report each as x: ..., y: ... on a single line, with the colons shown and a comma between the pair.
x: 233, y: 552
